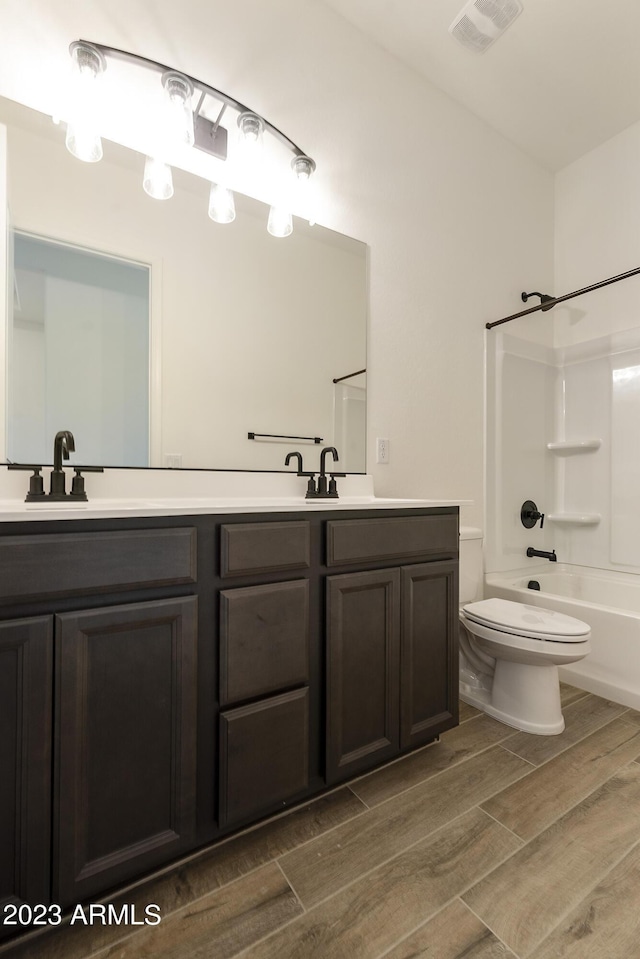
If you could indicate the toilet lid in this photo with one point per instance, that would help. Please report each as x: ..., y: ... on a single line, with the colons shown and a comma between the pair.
x: 523, y: 620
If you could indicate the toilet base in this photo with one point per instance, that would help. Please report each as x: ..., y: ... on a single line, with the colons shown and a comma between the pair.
x: 523, y: 696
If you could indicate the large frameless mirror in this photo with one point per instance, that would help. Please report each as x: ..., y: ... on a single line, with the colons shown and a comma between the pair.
x: 161, y: 338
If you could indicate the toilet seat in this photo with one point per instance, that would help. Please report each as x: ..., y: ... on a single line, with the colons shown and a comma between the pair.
x: 532, y: 622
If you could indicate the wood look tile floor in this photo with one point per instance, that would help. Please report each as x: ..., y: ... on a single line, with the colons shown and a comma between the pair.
x: 490, y: 844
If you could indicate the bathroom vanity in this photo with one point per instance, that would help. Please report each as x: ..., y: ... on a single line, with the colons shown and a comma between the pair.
x: 168, y: 678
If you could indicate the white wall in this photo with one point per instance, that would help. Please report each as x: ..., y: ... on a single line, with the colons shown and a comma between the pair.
x: 458, y: 221
x: 597, y: 235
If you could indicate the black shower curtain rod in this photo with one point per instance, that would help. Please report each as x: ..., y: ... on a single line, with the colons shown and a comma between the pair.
x: 548, y: 304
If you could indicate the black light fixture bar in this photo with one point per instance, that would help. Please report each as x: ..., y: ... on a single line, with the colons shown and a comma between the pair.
x: 203, y: 88
x: 547, y: 304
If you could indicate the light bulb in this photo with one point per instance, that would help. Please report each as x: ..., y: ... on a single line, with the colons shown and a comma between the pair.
x: 250, y: 126
x: 222, y: 208
x: 83, y: 139
x: 280, y: 222
x: 83, y: 142
x: 303, y: 167
x: 158, y: 181
x: 178, y: 118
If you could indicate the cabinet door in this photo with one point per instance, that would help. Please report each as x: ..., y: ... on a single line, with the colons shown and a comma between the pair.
x: 126, y: 736
x: 363, y: 621
x: 26, y: 683
x: 429, y: 652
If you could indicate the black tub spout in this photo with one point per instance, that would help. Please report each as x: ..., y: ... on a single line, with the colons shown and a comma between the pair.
x: 542, y: 554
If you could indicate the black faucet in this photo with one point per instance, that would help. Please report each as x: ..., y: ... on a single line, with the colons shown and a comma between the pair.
x: 323, y: 490
x: 63, y: 444
x: 540, y: 552
x: 311, y: 485
x: 290, y: 456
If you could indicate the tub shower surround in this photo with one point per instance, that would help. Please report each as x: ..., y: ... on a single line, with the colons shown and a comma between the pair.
x: 562, y: 429
x: 568, y: 438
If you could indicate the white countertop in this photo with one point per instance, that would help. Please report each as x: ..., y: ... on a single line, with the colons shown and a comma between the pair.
x: 12, y: 511
x: 127, y: 493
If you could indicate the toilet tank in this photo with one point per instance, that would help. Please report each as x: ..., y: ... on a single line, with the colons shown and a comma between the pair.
x: 471, y: 567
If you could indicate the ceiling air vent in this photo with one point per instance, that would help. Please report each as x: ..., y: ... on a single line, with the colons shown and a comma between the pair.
x: 480, y: 22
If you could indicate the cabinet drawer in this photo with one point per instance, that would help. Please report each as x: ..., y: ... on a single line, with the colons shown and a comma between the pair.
x: 74, y: 563
x: 400, y: 538
x: 264, y: 639
x: 259, y: 547
x: 264, y: 755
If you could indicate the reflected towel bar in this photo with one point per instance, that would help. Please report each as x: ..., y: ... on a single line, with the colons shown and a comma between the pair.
x: 278, y: 436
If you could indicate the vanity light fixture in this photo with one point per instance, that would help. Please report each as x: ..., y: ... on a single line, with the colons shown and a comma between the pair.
x: 280, y: 222
x: 179, y: 91
x: 251, y: 127
x: 222, y: 207
x: 303, y: 167
x: 82, y: 139
x: 158, y: 179
x: 183, y: 124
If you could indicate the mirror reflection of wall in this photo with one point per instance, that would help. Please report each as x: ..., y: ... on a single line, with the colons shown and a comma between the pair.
x: 247, y: 331
x: 78, y: 355
x: 350, y: 412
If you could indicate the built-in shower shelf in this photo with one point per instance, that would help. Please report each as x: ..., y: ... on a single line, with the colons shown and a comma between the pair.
x: 577, y: 519
x: 574, y: 446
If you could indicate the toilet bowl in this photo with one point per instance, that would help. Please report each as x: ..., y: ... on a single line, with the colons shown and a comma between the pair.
x: 510, y: 652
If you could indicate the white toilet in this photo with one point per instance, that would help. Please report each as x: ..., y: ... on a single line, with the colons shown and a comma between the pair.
x: 510, y: 652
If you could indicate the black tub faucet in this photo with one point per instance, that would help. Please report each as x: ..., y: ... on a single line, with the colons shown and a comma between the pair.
x: 542, y: 554
x: 63, y: 444
x: 530, y: 514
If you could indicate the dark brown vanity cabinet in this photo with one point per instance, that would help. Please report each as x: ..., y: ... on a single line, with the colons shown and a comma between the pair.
x: 165, y: 681
x: 264, y: 669
x: 392, y: 667
x: 26, y: 658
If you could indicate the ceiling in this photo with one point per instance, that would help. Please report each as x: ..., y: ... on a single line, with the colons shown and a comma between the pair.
x: 563, y: 78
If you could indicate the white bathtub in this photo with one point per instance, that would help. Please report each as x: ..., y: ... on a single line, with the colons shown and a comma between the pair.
x: 608, y: 601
